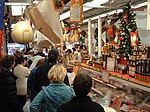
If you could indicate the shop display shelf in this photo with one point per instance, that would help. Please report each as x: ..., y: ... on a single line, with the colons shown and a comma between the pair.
x: 124, y: 79
x: 97, y: 91
x: 100, y: 81
x: 131, y: 83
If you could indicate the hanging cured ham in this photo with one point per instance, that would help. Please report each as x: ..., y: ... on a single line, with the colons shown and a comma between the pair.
x: 45, y: 18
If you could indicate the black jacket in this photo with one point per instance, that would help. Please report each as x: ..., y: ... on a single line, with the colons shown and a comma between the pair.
x: 41, y: 78
x: 8, y: 93
x: 81, y: 104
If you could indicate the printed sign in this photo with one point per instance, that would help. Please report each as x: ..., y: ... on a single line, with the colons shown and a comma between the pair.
x: 76, y: 11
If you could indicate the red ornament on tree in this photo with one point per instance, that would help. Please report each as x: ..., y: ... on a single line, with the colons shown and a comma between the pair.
x: 120, y: 38
x: 126, y: 16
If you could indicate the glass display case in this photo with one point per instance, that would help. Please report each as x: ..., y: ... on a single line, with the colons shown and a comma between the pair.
x: 120, y: 94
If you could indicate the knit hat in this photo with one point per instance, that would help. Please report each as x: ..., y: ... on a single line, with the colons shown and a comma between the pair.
x: 35, y: 60
x: 53, y: 54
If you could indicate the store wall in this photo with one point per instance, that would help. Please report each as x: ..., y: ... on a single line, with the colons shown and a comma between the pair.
x: 141, y: 19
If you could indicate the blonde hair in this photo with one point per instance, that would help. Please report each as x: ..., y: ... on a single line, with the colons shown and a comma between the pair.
x: 57, y: 73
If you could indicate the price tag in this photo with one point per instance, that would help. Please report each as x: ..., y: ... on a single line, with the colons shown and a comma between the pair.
x: 110, y: 64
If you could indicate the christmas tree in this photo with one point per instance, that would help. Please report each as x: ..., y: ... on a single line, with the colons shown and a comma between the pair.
x: 128, y: 29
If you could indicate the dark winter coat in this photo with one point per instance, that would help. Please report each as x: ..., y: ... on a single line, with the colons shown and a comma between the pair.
x: 8, y: 93
x: 41, y: 78
x: 81, y: 104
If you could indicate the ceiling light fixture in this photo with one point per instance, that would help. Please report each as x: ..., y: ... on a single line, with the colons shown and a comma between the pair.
x: 17, y: 4
x: 17, y: 10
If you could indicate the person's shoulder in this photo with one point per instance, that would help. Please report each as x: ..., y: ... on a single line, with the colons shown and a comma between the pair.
x: 64, y: 107
x: 3, y: 69
x: 4, y: 72
x: 68, y: 87
x: 34, y: 69
x: 7, y: 71
x: 42, y: 65
x: 7, y: 75
x: 98, y: 106
x: 46, y: 90
x: 41, y: 69
x: 25, y: 68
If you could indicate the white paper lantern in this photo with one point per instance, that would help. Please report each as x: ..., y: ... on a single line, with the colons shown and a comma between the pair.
x: 22, y: 32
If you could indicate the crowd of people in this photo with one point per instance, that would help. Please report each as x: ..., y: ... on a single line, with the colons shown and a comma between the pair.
x: 44, y: 81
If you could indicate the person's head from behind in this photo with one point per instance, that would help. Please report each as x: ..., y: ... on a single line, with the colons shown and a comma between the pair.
x: 57, y: 73
x: 69, y: 51
x: 8, y: 61
x: 74, y: 49
x: 17, y: 54
x: 22, y: 60
x: 82, y: 84
x: 53, y: 55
